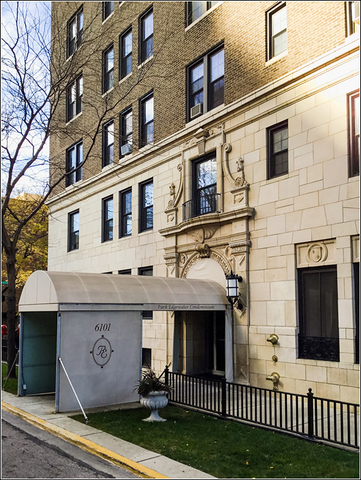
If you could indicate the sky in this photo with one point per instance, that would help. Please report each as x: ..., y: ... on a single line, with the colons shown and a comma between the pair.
x: 33, y: 181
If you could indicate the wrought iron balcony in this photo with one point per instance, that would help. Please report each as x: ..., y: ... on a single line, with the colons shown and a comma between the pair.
x: 201, y: 205
x: 318, y: 348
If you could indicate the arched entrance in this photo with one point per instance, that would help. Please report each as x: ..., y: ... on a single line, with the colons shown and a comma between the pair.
x: 200, y: 337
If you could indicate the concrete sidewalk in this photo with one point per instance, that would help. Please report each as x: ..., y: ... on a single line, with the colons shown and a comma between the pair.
x: 40, y: 411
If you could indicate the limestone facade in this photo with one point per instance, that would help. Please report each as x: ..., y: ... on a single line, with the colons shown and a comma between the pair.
x: 267, y: 230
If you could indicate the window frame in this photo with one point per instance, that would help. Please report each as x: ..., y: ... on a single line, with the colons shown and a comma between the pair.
x: 108, y: 75
x: 126, y: 271
x: 144, y: 42
x: 207, y: 104
x: 107, y: 223
x: 350, y: 20
x: 143, y: 225
x: 74, y: 108
x: 143, y: 125
x: 124, y: 58
x: 73, y: 175
x: 326, y: 348
x: 108, y: 148
x: 73, y: 235
x: 124, y: 214
x: 124, y: 137
x: 189, y: 11
x: 198, y: 205
x: 270, y: 36
x: 78, y: 39
x: 106, y: 10
x: 146, y: 271
x: 271, y: 155
x: 353, y: 99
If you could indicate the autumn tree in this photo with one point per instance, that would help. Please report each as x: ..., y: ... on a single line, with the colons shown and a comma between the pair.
x: 36, y: 74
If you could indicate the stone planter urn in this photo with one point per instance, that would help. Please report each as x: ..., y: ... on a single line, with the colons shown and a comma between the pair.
x: 154, y: 401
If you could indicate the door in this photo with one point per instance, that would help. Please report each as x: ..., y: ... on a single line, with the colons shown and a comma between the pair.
x: 216, y: 343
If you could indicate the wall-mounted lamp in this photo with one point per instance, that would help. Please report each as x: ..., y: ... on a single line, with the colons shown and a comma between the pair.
x: 233, y: 290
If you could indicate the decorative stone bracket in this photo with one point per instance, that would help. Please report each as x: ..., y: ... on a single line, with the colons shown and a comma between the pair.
x: 172, y: 209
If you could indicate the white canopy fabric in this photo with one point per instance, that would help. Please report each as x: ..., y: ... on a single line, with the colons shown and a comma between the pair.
x: 69, y: 291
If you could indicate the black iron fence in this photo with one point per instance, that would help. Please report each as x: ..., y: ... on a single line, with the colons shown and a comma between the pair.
x: 305, y: 415
x: 201, y: 205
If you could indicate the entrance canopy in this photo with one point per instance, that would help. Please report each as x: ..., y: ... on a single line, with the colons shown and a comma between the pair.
x: 70, y: 291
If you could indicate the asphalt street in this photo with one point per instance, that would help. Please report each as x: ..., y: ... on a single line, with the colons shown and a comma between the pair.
x: 29, y: 452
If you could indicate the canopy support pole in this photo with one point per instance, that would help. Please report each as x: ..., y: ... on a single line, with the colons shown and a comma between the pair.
x: 76, y: 396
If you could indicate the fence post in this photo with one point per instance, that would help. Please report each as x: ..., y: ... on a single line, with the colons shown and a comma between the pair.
x: 166, y: 370
x: 224, y: 397
x: 310, y: 412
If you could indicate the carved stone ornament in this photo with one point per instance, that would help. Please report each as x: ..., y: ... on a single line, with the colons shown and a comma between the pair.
x: 170, y: 217
x: 227, y: 147
x: 214, y: 255
x: 317, y: 253
x: 201, y: 234
x: 204, y: 251
x: 240, y: 181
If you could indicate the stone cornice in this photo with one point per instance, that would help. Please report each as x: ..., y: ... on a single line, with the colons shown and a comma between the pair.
x: 208, y: 220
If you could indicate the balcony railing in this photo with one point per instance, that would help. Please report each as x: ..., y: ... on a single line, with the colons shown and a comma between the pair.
x: 201, y: 205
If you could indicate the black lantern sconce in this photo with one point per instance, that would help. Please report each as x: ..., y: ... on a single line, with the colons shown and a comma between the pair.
x: 233, y: 290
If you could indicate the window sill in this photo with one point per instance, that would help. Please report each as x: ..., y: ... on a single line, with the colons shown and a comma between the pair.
x: 109, y: 16
x: 123, y: 79
x: 145, y: 61
x: 108, y: 91
x: 70, y: 56
x: 73, y: 186
x: 202, y: 16
x: 108, y: 167
x: 205, y: 116
x: 276, y: 58
x: 72, y: 119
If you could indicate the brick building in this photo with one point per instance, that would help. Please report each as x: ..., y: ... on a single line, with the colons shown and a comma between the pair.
x: 228, y: 142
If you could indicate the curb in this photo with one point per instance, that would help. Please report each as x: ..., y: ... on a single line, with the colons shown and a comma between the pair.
x: 83, y: 443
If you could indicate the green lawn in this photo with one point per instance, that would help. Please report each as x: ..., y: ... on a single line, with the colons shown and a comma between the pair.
x: 12, y: 384
x: 226, y: 449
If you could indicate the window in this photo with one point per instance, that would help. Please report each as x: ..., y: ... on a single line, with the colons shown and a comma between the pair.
x: 354, y: 133
x: 146, y: 120
x: 74, y: 98
x: 352, y: 17
x: 206, y: 84
x: 356, y: 288
x: 125, y: 221
x: 108, y: 8
x: 277, y: 147
x: 204, y: 186
x: 146, y: 206
x: 73, y: 231
x: 197, y: 9
x: 146, y: 36
x: 108, y: 143
x: 108, y: 68
x: 128, y: 271
x: 107, y: 219
x: 75, y: 32
x: 125, y: 49
x: 126, y: 131
x: 276, y: 30
x: 318, y: 313
x: 74, y: 157
x: 146, y: 357
x: 148, y: 271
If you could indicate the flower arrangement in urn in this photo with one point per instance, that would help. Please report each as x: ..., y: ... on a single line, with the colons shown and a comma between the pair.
x: 153, y: 393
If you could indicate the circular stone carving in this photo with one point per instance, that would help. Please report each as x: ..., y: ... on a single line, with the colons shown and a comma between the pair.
x: 316, y: 253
